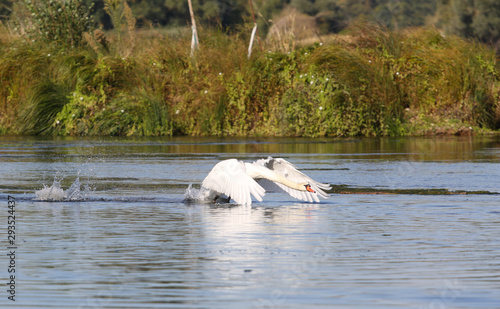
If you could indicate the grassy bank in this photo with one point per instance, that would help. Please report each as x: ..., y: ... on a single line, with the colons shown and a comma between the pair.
x: 371, y: 82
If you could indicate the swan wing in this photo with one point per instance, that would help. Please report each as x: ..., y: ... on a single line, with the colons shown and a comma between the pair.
x: 288, y: 170
x: 229, y: 177
x: 269, y: 186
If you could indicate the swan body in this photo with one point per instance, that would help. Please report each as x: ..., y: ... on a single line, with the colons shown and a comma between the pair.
x: 240, y: 180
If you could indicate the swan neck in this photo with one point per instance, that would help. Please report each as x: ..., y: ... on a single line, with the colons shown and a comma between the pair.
x: 287, y: 182
x: 264, y: 172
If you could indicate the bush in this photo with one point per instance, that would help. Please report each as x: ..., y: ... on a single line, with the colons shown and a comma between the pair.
x: 60, y: 21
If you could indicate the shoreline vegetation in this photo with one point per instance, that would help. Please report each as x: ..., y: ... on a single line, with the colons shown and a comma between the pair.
x: 369, y: 81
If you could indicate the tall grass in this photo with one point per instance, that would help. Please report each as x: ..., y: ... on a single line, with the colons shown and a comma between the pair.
x: 371, y: 82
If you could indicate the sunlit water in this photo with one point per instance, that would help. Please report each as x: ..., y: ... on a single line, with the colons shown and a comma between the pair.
x: 102, y: 223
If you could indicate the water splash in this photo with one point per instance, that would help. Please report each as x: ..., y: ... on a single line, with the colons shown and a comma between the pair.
x: 53, y: 192
x: 56, y: 193
x: 202, y: 195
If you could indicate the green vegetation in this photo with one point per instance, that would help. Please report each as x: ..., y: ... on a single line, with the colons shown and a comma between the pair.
x: 48, y: 17
x: 370, y: 81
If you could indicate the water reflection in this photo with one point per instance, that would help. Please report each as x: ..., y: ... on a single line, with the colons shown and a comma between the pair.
x: 416, y: 149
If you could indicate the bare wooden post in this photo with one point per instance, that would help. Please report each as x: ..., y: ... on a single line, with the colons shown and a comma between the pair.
x: 194, y: 38
x: 254, y: 30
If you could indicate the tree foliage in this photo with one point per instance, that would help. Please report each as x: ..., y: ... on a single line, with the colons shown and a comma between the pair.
x: 60, y: 21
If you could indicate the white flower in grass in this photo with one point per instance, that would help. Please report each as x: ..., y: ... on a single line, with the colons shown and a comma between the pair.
x: 81, y: 98
x: 320, y: 108
x: 205, y: 92
x: 123, y: 111
x: 57, y: 122
x: 177, y: 112
x: 48, y: 55
x: 312, y: 82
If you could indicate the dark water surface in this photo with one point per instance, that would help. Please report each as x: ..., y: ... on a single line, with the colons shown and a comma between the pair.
x: 129, y: 241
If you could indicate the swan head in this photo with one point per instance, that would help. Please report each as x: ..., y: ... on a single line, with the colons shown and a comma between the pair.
x: 308, y: 188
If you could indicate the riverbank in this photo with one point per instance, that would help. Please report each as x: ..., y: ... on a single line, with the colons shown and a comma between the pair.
x: 371, y: 82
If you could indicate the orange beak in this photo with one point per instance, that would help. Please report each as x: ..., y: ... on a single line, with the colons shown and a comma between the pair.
x: 308, y: 188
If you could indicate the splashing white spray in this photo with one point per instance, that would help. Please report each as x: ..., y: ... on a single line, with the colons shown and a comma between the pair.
x: 202, y: 195
x: 56, y: 193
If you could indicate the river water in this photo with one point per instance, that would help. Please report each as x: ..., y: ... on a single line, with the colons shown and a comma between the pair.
x: 124, y: 238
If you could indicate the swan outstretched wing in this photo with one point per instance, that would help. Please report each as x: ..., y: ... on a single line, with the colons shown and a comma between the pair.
x: 288, y: 170
x: 229, y: 177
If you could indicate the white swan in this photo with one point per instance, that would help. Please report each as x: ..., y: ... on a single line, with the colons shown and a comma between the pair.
x: 239, y: 180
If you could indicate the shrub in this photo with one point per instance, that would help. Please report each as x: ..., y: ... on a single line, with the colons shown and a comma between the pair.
x: 64, y: 22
